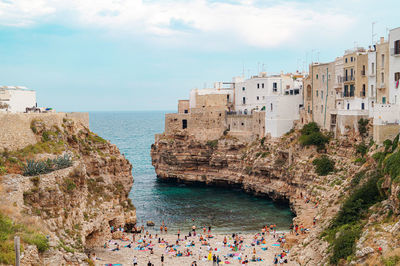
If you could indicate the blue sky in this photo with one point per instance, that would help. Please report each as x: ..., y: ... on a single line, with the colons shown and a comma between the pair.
x: 86, y: 55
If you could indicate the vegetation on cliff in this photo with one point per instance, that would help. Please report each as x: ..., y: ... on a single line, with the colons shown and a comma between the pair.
x: 346, y: 228
x: 312, y: 135
x: 27, y: 233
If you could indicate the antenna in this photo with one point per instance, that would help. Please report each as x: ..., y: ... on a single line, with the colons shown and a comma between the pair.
x: 258, y: 68
x: 372, y: 32
x: 243, y: 70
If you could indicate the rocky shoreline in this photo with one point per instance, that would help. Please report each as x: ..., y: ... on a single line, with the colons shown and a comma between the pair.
x: 281, y: 170
x: 75, y: 206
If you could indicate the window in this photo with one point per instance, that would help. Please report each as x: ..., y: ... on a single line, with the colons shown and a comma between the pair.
x: 308, y: 92
x: 184, y: 123
x: 317, y: 93
x: 272, y: 107
x: 322, y: 108
x: 363, y: 91
x: 363, y: 70
x: 383, y: 61
x: 322, y: 94
x: 346, y: 90
x: 227, y: 97
x: 186, y: 111
x: 258, y: 85
x: 323, y: 78
x: 348, y: 106
x: 397, y: 76
x: 397, y: 47
x: 372, y: 68
x: 262, y: 85
x: 351, y: 59
x: 372, y: 90
x: 362, y: 106
x: 317, y: 76
x: 384, y: 100
x: 243, y: 89
x: 345, y: 60
x: 275, y: 86
x: 244, y: 100
x: 258, y: 98
x: 382, y: 77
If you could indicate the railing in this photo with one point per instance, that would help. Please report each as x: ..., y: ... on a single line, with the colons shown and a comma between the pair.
x: 348, y: 78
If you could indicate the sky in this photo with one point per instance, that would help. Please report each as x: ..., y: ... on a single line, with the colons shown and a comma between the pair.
x: 122, y: 55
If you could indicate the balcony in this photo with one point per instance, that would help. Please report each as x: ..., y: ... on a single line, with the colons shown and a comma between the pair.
x: 348, y: 78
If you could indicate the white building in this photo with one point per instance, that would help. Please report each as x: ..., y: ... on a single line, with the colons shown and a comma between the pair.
x: 281, y: 112
x: 17, y: 99
x: 251, y: 94
x: 394, y: 66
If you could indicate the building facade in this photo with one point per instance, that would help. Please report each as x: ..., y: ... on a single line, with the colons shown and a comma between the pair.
x: 16, y: 99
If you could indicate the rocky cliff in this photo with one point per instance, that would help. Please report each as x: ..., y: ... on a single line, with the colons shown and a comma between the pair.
x: 73, y: 203
x: 283, y: 170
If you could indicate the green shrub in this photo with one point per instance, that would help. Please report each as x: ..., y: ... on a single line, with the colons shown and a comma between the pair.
x: 392, y: 165
x: 344, y: 244
x: 37, y: 239
x: 357, y: 178
x: 387, y: 144
x: 9, y: 229
x: 395, y: 143
x: 262, y: 141
x: 391, y: 261
x: 310, y: 128
x: 69, y: 184
x: 362, y: 126
x: 311, y: 135
x: 362, y: 149
x: 358, y: 202
x: 360, y: 160
x: 212, y: 143
x: 324, y: 165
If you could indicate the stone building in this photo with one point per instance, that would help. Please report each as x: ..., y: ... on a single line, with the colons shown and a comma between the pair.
x: 208, y: 115
x: 320, y: 95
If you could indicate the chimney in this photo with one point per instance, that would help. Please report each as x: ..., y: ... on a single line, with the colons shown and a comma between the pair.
x: 382, y: 40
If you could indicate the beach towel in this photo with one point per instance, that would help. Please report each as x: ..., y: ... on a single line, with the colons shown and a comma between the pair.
x: 276, y: 245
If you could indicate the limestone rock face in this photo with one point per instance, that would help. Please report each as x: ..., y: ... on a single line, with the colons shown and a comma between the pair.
x: 281, y: 170
x: 77, y: 205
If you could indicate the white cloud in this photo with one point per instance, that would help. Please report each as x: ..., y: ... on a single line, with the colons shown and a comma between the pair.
x: 234, y: 22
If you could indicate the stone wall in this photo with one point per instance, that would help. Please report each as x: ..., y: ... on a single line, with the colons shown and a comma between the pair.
x: 183, y: 106
x: 16, y: 132
x: 245, y: 125
x: 384, y: 132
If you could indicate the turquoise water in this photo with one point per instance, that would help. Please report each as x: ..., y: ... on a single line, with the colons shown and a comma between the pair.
x: 227, y: 210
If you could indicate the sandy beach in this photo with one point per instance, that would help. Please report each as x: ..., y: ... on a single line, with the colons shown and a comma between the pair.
x: 252, y: 247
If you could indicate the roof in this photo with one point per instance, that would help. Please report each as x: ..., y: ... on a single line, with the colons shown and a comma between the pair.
x: 21, y: 88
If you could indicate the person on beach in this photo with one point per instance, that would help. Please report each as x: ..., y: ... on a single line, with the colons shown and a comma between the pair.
x: 162, y: 259
x: 179, y: 233
x: 135, y: 261
x: 214, y: 260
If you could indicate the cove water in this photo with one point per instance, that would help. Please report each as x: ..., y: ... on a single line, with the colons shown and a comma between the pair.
x: 227, y: 210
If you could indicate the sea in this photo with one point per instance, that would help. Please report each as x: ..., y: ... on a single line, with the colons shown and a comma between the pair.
x: 180, y: 206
